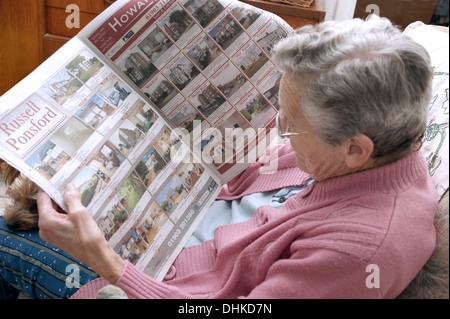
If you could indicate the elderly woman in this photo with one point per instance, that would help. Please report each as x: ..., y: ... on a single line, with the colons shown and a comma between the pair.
x: 349, y: 211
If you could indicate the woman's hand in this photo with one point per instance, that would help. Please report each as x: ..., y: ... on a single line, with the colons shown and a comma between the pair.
x: 77, y: 233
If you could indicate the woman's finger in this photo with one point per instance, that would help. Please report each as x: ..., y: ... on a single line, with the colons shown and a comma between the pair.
x: 72, y: 199
x: 46, y: 208
x: 44, y: 202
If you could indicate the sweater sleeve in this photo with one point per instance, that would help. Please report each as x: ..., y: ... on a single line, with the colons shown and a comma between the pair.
x: 316, y: 274
x: 138, y: 285
x: 307, y: 274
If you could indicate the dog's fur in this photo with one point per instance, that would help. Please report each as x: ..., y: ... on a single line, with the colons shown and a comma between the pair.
x: 22, y: 213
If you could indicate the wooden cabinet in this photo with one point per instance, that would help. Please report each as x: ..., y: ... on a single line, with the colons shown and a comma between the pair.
x: 32, y: 30
x: 295, y: 16
x: 57, y: 33
x: 20, y: 41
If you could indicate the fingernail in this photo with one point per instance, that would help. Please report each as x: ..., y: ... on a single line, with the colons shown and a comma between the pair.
x: 71, y: 187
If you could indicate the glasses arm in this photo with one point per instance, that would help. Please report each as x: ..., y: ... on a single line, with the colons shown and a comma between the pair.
x: 286, y: 134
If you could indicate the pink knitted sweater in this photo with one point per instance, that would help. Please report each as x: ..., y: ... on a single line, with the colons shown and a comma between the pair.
x: 364, y: 235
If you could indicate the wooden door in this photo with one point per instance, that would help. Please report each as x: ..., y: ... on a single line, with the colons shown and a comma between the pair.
x: 21, y: 31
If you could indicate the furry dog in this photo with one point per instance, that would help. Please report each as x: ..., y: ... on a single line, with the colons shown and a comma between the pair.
x: 22, y: 213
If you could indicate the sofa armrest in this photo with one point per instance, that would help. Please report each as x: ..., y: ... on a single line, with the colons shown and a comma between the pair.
x: 433, y: 280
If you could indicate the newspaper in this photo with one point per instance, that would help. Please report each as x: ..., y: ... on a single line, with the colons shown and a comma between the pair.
x: 148, y: 111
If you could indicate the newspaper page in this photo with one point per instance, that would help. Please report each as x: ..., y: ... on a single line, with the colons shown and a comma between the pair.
x: 128, y: 117
x: 205, y: 64
x: 74, y: 120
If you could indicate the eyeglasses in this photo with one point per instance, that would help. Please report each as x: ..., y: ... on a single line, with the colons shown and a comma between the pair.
x: 286, y: 134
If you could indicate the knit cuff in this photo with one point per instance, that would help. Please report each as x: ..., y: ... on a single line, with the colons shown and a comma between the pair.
x: 138, y: 285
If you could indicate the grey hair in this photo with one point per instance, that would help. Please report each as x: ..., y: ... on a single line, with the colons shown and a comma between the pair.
x: 360, y: 77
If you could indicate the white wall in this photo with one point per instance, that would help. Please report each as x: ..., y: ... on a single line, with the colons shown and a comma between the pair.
x: 339, y: 9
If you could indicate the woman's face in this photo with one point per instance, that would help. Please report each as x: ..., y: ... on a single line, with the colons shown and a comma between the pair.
x: 320, y: 160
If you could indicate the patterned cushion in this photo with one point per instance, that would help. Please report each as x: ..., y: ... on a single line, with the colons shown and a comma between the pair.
x: 433, y: 280
x: 436, y: 143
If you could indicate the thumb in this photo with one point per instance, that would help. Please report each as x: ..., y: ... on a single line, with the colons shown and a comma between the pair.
x: 72, y: 199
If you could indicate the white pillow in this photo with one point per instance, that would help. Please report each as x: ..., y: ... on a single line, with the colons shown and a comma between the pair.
x: 435, y: 40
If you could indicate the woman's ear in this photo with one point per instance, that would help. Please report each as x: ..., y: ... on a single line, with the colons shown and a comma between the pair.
x: 358, y: 151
